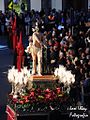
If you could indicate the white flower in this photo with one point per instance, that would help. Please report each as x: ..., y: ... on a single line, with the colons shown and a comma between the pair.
x: 56, y: 72
x: 25, y: 80
x: 10, y: 76
x: 21, y: 78
x: 18, y: 77
x: 64, y: 75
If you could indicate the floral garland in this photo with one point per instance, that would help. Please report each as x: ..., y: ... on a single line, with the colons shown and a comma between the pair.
x: 39, y: 100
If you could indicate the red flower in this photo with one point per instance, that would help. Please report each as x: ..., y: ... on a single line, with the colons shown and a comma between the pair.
x: 32, y: 94
x: 48, y: 96
x: 15, y: 100
x: 26, y: 101
x: 26, y: 97
x: 21, y: 102
x: 38, y: 90
x: 47, y: 90
x: 54, y: 95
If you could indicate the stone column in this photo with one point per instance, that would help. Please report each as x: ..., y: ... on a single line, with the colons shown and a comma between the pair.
x: 86, y: 5
x: 46, y: 5
x: 2, y: 5
x: 28, y: 5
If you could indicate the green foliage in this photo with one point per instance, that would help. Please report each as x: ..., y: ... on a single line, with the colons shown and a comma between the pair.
x: 17, y: 7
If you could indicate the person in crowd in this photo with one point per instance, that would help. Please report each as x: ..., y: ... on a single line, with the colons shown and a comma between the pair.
x: 86, y: 86
x: 22, y: 7
x: 27, y: 24
x: 2, y: 22
x: 62, y: 59
x: 21, y: 22
x: 7, y: 23
x: 51, y: 21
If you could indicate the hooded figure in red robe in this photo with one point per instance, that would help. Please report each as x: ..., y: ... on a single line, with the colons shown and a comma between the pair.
x: 20, y: 53
x: 14, y: 33
x: 15, y: 40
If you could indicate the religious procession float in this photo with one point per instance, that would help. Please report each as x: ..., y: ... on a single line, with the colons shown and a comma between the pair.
x: 33, y: 94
